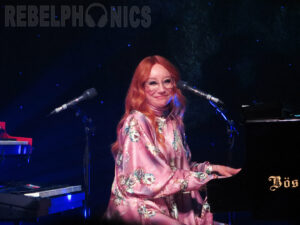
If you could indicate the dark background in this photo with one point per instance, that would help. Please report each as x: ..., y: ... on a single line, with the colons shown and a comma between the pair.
x: 244, y: 52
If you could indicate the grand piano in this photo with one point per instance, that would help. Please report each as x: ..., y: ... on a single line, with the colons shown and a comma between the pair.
x: 267, y: 187
x: 26, y: 201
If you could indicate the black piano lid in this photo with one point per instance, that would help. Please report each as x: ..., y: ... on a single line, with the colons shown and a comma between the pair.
x: 271, y: 120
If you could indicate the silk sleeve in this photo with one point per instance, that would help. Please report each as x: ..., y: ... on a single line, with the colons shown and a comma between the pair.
x: 142, y: 170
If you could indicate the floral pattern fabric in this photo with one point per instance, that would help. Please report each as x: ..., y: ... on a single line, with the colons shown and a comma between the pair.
x: 157, y: 184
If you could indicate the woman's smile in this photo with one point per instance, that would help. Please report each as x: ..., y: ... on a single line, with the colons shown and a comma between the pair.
x: 159, y: 87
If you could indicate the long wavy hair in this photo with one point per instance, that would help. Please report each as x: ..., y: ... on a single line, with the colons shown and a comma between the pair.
x: 136, y: 97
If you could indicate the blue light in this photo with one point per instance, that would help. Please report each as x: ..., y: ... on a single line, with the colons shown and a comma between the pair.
x: 223, y: 115
x: 19, y: 150
x: 101, y: 102
x: 218, y: 110
x: 69, y: 197
x: 113, y: 8
x: 21, y: 107
x: 85, y: 214
x: 20, y: 73
x: 38, y: 35
x: 297, y: 115
x: 57, y: 85
x: 209, y: 3
x: 176, y: 28
x: 129, y: 45
x: 257, y: 40
x: 229, y: 68
x: 282, y: 7
x: 290, y: 65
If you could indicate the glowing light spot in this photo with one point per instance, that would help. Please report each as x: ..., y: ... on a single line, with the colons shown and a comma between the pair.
x: 69, y: 197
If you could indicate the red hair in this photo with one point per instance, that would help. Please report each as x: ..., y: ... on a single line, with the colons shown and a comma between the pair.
x: 136, y: 98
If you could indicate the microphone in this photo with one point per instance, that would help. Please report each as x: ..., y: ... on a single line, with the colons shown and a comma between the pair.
x: 88, y: 94
x: 184, y: 86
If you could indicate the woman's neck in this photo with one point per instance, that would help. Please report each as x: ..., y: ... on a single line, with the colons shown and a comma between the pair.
x: 160, y: 111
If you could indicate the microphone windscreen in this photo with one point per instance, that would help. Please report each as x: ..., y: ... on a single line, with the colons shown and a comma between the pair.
x: 90, y: 93
x: 181, y: 84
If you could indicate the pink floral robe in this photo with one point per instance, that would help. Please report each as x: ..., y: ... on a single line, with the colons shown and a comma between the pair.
x: 156, y: 185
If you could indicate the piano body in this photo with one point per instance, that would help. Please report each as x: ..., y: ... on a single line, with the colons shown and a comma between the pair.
x: 27, y: 202
x: 268, y: 184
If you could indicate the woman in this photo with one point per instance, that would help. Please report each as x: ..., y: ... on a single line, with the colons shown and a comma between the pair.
x: 155, y: 182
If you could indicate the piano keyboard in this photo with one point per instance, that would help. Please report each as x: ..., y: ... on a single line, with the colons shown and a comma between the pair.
x: 9, y: 142
x: 19, y: 203
x: 54, y: 192
x: 14, y: 148
x: 27, y: 201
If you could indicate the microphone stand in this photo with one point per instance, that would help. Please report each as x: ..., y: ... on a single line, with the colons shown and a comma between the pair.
x: 89, y: 130
x: 231, y: 132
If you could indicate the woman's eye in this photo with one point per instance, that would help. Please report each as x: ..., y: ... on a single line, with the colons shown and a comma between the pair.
x: 152, y: 83
x: 168, y: 81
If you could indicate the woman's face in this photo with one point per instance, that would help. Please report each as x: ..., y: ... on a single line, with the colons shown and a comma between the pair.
x: 159, y: 86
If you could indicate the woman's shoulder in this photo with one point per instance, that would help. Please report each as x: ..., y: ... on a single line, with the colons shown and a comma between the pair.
x: 137, y: 114
x: 138, y: 122
x: 135, y: 118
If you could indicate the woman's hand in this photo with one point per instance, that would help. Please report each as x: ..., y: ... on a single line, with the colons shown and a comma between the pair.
x: 224, y: 171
